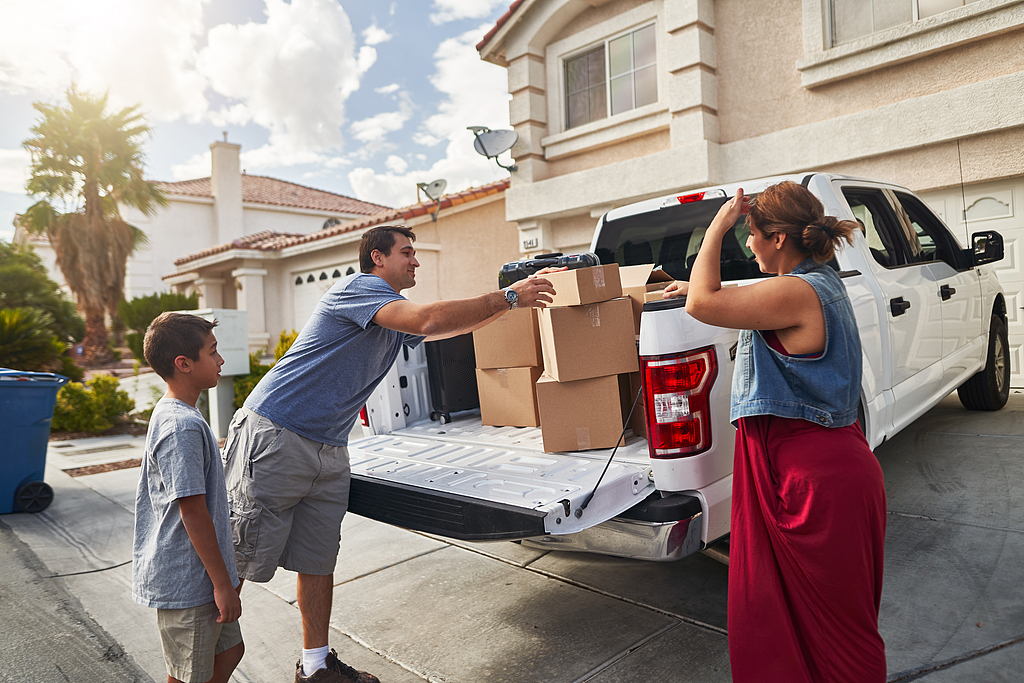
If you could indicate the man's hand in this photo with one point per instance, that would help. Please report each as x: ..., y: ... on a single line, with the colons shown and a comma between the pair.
x: 533, y: 292
x: 676, y: 288
x: 228, y: 603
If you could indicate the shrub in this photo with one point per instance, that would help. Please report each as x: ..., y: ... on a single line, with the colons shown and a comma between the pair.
x: 25, y: 283
x: 284, y: 342
x: 27, y: 340
x: 91, y: 407
x: 138, y: 313
x: 244, y: 384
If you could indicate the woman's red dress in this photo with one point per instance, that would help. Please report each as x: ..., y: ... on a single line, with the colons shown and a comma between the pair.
x: 806, y: 551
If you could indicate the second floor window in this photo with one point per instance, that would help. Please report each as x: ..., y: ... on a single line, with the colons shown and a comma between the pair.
x: 852, y: 19
x: 618, y: 76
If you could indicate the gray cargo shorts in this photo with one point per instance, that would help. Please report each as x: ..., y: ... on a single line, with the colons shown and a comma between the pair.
x: 287, y: 496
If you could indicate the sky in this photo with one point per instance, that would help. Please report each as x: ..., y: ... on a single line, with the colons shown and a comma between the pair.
x: 365, y: 98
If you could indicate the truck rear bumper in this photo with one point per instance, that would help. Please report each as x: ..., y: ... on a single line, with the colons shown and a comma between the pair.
x: 635, y: 539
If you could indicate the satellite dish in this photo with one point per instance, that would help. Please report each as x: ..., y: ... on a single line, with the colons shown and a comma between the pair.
x: 435, y: 189
x: 491, y: 143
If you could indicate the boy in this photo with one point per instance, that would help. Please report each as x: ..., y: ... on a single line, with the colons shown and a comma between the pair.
x: 183, y: 559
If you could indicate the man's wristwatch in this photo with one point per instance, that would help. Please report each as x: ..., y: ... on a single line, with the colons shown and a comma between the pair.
x: 511, y: 297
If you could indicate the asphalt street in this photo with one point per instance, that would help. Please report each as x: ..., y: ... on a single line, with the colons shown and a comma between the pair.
x: 412, y: 607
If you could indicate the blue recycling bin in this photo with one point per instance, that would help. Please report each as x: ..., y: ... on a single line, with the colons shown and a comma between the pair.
x: 26, y: 408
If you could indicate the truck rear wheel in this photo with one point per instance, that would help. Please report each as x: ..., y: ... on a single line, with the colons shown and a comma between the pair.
x: 990, y: 387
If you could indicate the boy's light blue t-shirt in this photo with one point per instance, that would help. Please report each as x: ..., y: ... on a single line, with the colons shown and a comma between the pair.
x: 182, y: 459
x: 318, y: 388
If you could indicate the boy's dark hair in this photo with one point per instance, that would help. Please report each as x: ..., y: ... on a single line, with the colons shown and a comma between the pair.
x: 381, y: 239
x: 174, y: 334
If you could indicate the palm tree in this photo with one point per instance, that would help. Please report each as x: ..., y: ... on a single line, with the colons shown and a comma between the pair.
x: 90, y: 161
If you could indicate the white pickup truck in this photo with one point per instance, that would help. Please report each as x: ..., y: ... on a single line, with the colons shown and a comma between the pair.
x: 932, y: 319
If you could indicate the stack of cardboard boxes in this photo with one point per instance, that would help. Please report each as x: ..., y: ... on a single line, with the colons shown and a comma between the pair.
x: 571, y: 368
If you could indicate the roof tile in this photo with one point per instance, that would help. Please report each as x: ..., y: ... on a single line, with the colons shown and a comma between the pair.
x: 264, y: 190
x: 275, y: 241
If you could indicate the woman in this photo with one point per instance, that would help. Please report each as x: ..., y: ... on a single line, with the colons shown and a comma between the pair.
x: 808, y: 506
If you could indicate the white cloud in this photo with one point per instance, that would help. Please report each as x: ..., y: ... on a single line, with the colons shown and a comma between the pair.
x: 396, y: 164
x: 291, y: 75
x: 141, y: 51
x: 475, y: 93
x: 453, y: 10
x: 378, y: 126
x: 386, y: 89
x: 14, y: 165
x: 197, y: 166
x: 375, y: 35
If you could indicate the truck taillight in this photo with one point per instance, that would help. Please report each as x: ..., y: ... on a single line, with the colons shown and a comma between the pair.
x: 364, y: 417
x: 677, y: 389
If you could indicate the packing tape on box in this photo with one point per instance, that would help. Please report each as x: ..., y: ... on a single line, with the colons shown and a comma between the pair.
x: 582, y: 438
x: 503, y: 378
x: 594, y: 315
x: 598, y: 278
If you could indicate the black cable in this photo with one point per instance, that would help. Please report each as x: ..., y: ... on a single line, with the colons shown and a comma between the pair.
x: 586, y: 502
x: 89, y: 571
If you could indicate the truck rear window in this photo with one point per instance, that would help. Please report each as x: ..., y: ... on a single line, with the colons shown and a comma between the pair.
x: 671, y: 237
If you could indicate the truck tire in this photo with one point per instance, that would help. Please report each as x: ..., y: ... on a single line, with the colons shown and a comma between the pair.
x: 990, y: 387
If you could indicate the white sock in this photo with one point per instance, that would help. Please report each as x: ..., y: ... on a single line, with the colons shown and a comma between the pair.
x: 314, y: 659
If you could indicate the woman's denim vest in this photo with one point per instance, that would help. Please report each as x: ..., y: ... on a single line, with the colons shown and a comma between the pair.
x: 824, y: 389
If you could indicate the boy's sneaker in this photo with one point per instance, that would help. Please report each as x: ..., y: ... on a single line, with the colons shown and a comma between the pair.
x: 334, y: 671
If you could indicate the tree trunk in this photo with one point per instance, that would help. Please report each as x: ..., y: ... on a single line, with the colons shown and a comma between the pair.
x: 95, y: 346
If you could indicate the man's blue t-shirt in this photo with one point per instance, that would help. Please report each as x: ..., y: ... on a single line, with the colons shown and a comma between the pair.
x: 318, y: 388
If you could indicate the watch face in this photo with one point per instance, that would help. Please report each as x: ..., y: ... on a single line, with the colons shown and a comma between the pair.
x: 511, y: 296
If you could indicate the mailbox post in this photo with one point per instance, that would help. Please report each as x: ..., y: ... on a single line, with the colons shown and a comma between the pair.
x: 233, y: 344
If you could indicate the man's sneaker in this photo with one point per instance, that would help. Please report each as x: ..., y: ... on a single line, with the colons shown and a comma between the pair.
x: 334, y: 671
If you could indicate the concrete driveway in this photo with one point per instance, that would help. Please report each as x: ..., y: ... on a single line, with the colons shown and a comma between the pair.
x: 411, y: 607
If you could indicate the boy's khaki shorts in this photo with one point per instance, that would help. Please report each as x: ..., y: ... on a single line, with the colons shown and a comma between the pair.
x: 287, y: 496
x: 191, y: 638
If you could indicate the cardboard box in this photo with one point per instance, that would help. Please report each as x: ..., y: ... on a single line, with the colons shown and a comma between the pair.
x: 585, y: 285
x: 511, y: 341
x: 640, y: 284
x: 594, y: 340
x: 580, y: 415
x: 507, y: 396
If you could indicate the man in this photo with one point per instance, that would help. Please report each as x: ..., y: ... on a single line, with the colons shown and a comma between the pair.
x: 286, y: 454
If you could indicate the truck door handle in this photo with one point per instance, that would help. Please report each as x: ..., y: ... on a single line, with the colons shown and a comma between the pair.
x: 898, y: 306
x: 945, y: 291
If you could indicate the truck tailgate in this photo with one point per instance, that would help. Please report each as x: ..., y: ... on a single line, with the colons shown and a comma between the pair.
x: 469, y: 481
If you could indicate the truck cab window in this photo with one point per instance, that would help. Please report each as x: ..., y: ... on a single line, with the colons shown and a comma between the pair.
x: 671, y: 238
x: 933, y: 241
x: 869, y: 207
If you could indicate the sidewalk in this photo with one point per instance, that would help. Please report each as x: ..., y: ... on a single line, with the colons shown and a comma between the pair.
x: 411, y: 607
x: 407, y: 607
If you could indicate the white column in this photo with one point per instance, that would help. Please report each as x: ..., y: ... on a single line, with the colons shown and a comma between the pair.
x: 211, y: 293
x: 250, y: 299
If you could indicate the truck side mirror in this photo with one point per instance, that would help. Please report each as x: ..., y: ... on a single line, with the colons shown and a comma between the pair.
x: 986, y: 247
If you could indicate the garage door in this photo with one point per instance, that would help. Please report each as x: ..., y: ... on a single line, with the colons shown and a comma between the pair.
x: 309, y: 285
x: 995, y: 206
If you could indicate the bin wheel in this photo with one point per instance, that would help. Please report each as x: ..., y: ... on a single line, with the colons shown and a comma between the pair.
x: 35, y: 496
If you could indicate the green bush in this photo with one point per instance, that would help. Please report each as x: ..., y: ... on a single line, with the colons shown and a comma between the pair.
x: 27, y: 340
x: 25, y: 283
x: 284, y: 342
x: 138, y: 313
x: 91, y: 407
x: 244, y: 384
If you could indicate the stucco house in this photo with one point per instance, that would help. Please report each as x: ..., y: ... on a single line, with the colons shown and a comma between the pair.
x: 278, y: 278
x: 229, y: 205
x: 620, y: 100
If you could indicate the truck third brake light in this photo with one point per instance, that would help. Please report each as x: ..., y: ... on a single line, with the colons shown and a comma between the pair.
x: 677, y: 388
